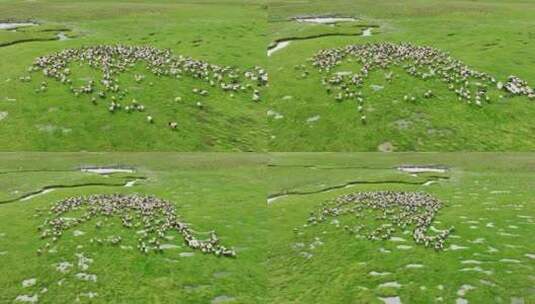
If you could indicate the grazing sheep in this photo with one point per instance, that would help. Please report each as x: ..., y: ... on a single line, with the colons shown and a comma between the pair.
x: 421, y: 62
x: 400, y: 209
x: 156, y: 216
x: 112, y: 60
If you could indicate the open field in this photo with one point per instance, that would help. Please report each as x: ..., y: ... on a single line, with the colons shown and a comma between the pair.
x: 39, y: 113
x: 491, y: 37
x: 99, y: 262
x: 232, y: 151
x: 488, y: 199
x: 477, y: 245
x: 208, y: 100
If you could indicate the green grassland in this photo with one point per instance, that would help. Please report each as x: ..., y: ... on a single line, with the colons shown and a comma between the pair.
x: 494, y: 37
x: 222, y: 192
x: 488, y: 199
x: 229, y: 33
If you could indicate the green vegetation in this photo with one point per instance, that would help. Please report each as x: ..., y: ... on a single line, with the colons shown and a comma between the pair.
x: 282, y: 256
x: 301, y: 30
x: 222, y: 192
x: 224, y: 33
x: 487, y: 198
x: 103, y: 102
x: 46, y: 32
x: 489, y: 36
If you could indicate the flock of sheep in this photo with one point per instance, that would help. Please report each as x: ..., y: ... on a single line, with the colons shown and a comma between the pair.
x: 422, y: 62
x: 400, y: 211
x: 112, y: 60
x: 152, y: 217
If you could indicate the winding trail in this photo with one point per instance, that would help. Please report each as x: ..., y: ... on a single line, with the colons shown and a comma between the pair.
x: 49, y: 188
x: 280, y: 43
x: 273, y: 197
x: 57, y: 37
x: 10, y: 43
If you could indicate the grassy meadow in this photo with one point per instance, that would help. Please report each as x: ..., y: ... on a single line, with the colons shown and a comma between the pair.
x: 487, y: 198
x: 220, y: 192
x: 489, y: 257
x: 226, y: 33
x: 495, y: 37
x: 255, y: 145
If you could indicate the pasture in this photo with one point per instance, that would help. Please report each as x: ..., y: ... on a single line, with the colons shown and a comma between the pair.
x: 42, y: 113
x: 120, y: 257
x: 389, y: 108
x: 326, y: 246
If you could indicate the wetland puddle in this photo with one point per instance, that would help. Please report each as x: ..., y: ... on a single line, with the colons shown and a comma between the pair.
x: 277, y: 47
x: 107, y: 170
x: 422, y: 169
x: 324, y: 20
x: 29, y: 197
x: 14, y: 25
x: 282, y: 43
x: 367, y: 32
x: 62, y: 37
